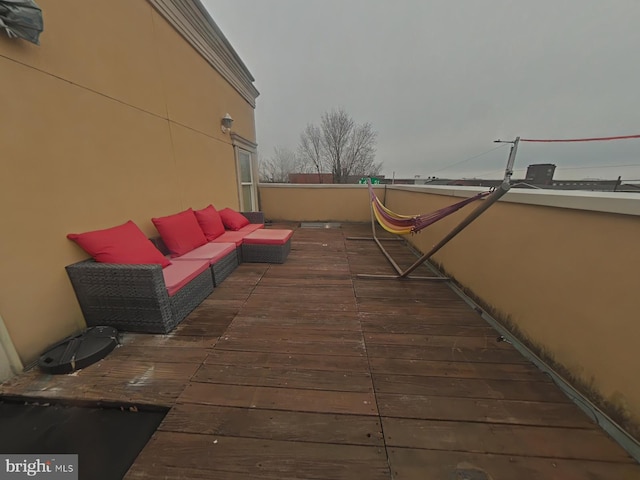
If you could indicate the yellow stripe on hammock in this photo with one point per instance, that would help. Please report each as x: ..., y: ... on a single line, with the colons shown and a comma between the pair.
x: 394, y: 214
x: 386, y: 226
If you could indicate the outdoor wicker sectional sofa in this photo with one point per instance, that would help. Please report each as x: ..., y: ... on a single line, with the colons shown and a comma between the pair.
x: 156, y: 297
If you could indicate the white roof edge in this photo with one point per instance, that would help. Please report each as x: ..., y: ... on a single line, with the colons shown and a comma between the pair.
x: 191, y: 19
x: 316, y: 185
x: 610, y: 202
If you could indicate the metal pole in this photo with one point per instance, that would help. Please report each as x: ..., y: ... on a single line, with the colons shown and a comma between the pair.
x: 490, y: 200
x: 382, y: 249
x: 512, y: 158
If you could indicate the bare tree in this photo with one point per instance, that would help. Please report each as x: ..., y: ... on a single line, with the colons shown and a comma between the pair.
x: 361, y: 152
x: 340, y: 145
x: 310, y: 151
x: 336, y: 127
x: 277, y: 167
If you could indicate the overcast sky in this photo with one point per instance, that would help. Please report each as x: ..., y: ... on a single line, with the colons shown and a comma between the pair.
x: 439, y: 80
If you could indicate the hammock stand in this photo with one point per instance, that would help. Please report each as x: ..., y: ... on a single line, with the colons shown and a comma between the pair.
x: 422, y: 221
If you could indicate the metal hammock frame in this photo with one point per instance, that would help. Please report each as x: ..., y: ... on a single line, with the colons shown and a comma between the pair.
x: 489, y: 199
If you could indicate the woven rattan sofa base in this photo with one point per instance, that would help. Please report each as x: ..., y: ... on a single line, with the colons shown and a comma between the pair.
x: 134, y: 297
x: 223, y: 267
x: 258, y: 253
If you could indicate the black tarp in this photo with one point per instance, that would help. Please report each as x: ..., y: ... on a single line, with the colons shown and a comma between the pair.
x: 21, y: 19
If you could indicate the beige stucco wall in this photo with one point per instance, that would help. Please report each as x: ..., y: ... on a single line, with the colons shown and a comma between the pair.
x: 114, y: 117
x: 567, y: 278
x: 340, y: 203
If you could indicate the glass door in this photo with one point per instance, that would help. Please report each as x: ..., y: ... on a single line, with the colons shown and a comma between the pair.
x: 247, y: 185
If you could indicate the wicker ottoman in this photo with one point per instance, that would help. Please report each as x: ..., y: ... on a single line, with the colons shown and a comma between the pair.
x: 267, y: 246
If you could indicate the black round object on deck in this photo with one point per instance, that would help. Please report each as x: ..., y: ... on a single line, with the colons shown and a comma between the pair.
x: 79, y: 351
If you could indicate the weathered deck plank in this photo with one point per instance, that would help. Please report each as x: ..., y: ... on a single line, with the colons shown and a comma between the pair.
x: 280, y: 340
x: 448, y: 316
x: 298, y: 292
x: 278, y: 459
x: 138, y: 353
x: 422, y: 327
x: 274, y: 331
x: 447, y: 354
x: 488, y: 341
x: 271, y: 301
x: 519, y: 440
x: 170, y: 340
x: 469, y: 388
x: 285, y: 378
x: 300, y: 361
x: 493, y: 371
x: 415, y: 464
x: 298, y: 400
x: 290, y: 319
x: 274, y: 424
x: 489, y: 410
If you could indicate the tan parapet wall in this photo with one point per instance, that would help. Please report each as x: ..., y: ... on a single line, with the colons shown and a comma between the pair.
x: 567, y: 278
x: 114, y: 117
x: 316, y: 203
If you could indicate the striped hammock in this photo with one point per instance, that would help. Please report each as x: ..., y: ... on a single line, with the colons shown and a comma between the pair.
x: 405, y: 224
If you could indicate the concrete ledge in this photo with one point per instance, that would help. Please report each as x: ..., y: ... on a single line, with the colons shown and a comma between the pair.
x: 313, y: 186
x: 609, y: 202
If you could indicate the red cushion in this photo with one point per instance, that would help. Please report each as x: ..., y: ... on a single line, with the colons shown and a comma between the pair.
x: 210, y: 222
x: 233, y: 220
x: 122, y: 244
x: 252, y: 227
x: 181, y: 232
x: 270, y: 236
x: 178, y: 274
x: 230, y: 236
x: 213, y: 252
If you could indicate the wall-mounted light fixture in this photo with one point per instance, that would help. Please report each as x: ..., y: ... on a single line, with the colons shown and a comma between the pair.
x: 227, y: 121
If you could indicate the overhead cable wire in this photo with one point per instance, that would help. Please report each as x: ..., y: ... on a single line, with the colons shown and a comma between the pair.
x: 593, y: 139
x: 468, y: 159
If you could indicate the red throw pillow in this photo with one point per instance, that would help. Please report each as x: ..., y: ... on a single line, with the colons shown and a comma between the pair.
x: 122, y: 244
x: 233, y: 220
x: 180, y: 232
x: 210, y: 222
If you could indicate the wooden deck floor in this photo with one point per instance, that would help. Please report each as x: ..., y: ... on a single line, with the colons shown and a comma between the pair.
x: 304, y: 371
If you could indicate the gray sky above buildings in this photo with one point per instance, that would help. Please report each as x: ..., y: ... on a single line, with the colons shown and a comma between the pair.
x: 439, y: 80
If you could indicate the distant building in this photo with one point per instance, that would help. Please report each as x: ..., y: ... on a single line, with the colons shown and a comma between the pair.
x: 593, y: 185
x: 540, y: 174
x: 327, y: 178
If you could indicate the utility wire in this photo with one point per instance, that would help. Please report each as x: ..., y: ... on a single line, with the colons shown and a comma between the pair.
x: 593, y: 139
x: 469, y: 159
